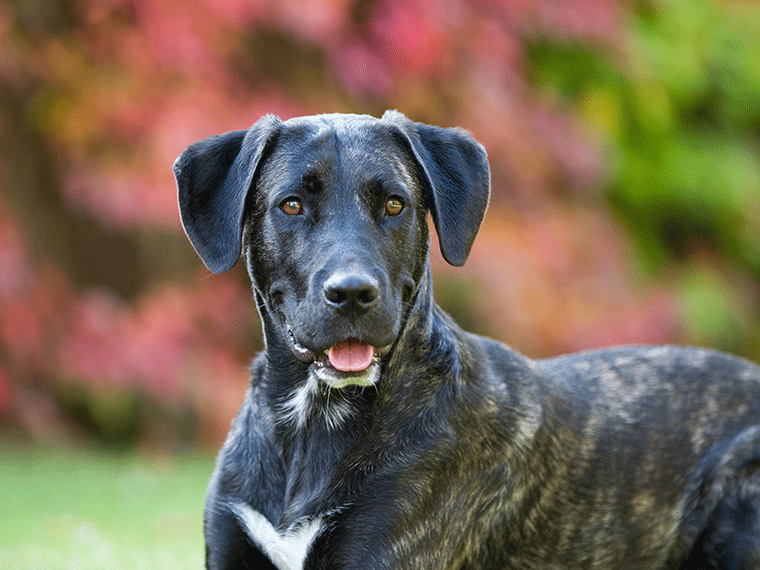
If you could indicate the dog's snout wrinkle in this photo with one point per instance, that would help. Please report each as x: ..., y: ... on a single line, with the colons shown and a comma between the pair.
x: 351, y: 293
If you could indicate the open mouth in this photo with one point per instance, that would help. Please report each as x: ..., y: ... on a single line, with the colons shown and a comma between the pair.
x: 350, y: 355
x: 348, y: 362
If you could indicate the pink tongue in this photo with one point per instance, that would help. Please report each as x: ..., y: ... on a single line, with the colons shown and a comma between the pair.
x: 350, y: 355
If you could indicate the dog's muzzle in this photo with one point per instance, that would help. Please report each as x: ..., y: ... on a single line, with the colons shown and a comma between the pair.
x: 354, y: 323
x: 346, y: 363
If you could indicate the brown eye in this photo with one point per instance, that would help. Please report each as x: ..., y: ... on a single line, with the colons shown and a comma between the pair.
x: 394, y: 206
x: 292, y: 206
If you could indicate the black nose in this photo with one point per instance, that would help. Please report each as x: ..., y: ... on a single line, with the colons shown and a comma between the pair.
x: 351, y: 294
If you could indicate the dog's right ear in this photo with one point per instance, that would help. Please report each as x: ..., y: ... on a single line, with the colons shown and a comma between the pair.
x: 456, y: 178
x: 214, y: 177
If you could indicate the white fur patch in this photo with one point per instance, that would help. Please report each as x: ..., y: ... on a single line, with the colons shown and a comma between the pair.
x: 296, y: 409
x: 368, y: 377
x: 300, y: 406
x: 288, y: 550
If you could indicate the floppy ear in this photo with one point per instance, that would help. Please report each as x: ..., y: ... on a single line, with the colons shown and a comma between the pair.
x: 214, y: 177
x: 454, y: 171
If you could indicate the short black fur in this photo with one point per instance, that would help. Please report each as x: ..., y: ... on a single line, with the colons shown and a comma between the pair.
x: 449, y: 450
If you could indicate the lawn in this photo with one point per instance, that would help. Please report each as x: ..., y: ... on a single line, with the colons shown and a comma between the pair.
x: 91, y: 510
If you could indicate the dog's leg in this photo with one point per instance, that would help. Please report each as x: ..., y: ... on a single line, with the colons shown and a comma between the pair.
x: 248, y: 472
x: 228, y: 546
x: 732, y: 538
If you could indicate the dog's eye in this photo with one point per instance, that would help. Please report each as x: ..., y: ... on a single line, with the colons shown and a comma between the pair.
x: 291, y: 206
x: 394, y: 206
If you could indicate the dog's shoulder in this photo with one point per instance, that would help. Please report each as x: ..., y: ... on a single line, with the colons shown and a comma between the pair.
x: 251, y: 433
x: 249, y: 466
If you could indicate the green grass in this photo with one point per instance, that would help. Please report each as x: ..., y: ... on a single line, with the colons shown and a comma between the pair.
x: 85, y: 510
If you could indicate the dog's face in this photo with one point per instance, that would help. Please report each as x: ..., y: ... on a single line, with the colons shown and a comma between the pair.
x: 331, y: 212
x: 337, y: 211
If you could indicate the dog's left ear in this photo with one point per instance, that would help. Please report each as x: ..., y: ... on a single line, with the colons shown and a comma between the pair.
x: 454, y: 172
x: 214, y: 177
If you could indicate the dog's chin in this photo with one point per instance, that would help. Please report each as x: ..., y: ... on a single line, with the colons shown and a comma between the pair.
x: 320, y: 367
x: 338, y: 379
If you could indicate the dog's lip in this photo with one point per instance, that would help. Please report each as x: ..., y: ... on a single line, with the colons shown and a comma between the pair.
x: 301, y: 352
x: 321, y: 358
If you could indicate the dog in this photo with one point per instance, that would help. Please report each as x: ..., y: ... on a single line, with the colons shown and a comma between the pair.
x: 376, y: 434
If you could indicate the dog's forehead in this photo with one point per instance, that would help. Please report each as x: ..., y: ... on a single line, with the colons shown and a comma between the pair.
x: 336, y: 120
x: 356, y: 145
x: 339, y: 132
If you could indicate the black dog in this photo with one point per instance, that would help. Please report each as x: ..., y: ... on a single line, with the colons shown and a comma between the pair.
x: 377, y: 434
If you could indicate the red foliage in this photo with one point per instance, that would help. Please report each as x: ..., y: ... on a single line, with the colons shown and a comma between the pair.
x: 117, y: 90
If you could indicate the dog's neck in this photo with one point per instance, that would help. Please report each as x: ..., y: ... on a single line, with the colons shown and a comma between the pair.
x: 310, y: 414
x: 291, y: 389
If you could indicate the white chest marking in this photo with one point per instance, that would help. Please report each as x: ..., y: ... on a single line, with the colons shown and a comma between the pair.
x: 300, y: 406
x: 288, y: 550
x: 296, y: 409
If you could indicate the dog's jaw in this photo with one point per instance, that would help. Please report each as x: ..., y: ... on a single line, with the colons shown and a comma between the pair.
x: 300, y: 351
x: 337, y: 380
x: 320, y: 367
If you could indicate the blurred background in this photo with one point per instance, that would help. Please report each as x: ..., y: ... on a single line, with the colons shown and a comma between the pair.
x: 624, y: 140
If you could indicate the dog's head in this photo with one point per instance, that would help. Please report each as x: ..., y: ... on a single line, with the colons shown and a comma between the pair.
x: 332, y: 213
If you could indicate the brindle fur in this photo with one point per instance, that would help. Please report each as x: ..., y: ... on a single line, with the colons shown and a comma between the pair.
x: 464, y: 454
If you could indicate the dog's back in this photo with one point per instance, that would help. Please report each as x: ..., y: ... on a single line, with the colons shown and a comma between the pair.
x: 652, y: 441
